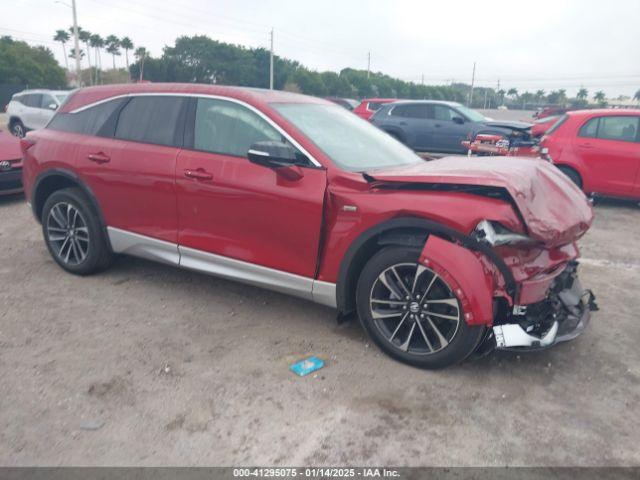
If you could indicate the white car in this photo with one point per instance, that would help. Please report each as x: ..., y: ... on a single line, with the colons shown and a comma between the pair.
x: 32, y: 109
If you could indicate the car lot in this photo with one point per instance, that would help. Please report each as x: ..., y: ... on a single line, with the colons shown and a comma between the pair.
x: 148, y: 365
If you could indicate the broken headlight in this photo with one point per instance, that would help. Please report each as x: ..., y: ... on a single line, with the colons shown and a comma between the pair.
x: 494, y: 234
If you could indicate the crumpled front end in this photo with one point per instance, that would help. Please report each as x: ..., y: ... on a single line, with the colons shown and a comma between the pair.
x: 529, y: 297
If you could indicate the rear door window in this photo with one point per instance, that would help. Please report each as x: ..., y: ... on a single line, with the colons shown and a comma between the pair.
x: 97, y: 120
x: 46, y: 101
x: 414, y: 111
x: 157, y: 120
x: 624, y: 129
x: 228, y: 128
x: 373, y: 106
x: 589, y: 129
x: 443, y: 113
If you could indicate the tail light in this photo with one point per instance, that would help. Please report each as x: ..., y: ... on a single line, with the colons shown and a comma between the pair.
x: 26, y: 144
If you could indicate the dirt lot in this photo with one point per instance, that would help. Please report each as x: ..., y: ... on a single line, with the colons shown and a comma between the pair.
x: 149, y: 365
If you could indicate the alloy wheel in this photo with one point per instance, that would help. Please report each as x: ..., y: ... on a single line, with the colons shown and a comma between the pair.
x: 68, y: 233
x: 18, y: 130
x: 414, y: 309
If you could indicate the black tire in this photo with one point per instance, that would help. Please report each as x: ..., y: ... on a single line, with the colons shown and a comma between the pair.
x: 18, y: 129
x: 396, y: 136
x: 460, y: 340
x: 572, y: 174
x: 76, y: 241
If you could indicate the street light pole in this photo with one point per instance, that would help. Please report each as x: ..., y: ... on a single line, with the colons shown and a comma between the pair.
x: 76, y: 43
x: 271, y: 63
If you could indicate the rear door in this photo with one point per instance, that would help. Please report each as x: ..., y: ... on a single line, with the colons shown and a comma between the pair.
x: 132, y: 171
x: 414, y: 120
x: 608, y: 148
x: 48, y: 106
x: 31, y: 111
x: 234, y: 208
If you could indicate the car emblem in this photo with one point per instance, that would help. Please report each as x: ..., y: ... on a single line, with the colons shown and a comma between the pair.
x: 5, y: 165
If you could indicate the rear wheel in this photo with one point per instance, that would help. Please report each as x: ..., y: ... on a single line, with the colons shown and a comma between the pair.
x: 411, y: 312
x: 73, y: 234
x: 18, y: 129
x: 572, y: 174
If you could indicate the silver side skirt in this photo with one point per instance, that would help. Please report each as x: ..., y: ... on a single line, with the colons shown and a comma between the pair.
x: 152, y: 249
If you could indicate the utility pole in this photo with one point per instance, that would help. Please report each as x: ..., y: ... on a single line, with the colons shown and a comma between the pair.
x: 497, y: 94
x: 422, y: 80
x: 368, y: 64
x: 271, y: 63
x: 485, y: 99
x: 473, y: 79
x: 76, y: 43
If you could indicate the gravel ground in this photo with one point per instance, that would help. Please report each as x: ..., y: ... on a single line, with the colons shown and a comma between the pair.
x: 150, y: 365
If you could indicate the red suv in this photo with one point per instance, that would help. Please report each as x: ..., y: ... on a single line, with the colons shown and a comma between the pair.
x: 295, y: 194
x: 598, y: 149
x: 369, y: 106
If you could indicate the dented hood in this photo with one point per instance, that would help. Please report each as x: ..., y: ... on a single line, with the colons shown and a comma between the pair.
x: 554, y: 210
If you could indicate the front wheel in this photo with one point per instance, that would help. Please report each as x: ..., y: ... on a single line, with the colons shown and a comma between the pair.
x: 411, y: 312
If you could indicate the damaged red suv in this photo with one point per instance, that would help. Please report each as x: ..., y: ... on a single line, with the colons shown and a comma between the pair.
x: 294, y: 193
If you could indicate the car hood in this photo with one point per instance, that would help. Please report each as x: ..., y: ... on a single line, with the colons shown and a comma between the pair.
x: 554, y: 210
x: 514, y: 125
x: 9, y: 147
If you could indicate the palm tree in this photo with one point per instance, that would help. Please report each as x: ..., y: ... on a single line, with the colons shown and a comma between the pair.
x: 72, y: 53
x: 500, y: 93
x: 63, y: 37
x: 84, y: 36
x: 600, y: 97
x: 539, y: 94
x: 127, y: 44
x: 513, y: 93
x: 636, y: 97
x: 582, y: 94
x: 141, y: 54
x: 562, y: 96
x: 97, y: 43
x: 113, y: 47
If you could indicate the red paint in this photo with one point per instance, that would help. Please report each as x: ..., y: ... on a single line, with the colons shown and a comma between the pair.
x: 472, y: 282
x: 365, y: 111
x: 608, y: 167
x: 10, y: 152
x: 540, y: 126
x: 294, y: 220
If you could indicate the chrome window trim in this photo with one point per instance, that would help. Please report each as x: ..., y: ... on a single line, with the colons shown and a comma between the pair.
x: 129, y: 243
x: 280, y: 130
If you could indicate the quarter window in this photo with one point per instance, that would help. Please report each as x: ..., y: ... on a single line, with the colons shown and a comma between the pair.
x: 589, y: 129
x: 92, y: 121
x: 228, y: 128
x: 153, y: 119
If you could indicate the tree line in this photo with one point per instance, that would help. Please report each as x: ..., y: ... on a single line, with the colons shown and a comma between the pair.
x: 200, y: 59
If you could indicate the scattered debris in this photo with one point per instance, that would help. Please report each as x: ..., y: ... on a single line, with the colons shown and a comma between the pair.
x: 92, y: 424
x: 305, y: 367
x: 165, y: 370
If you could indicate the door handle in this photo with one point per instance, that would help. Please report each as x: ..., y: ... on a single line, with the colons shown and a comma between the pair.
x: 98, y: 157
x: 437, y: 125
x: 585, y: 145
x: 198, y: 174
x: 403, y: 123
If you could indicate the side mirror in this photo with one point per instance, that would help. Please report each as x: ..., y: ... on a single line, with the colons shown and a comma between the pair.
x: 272, y: 154
x: 458, y: 120
x: 52, y: 106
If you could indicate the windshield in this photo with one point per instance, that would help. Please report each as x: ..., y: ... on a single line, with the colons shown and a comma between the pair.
x: 352, y: 143
x: 470, y: 114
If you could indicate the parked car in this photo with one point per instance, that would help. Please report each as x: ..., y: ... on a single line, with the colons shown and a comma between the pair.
x: 368, y: 106
x: 10, y: 164
x: 435, y: 126
x: 32, y: 109
x: 348, y: 103
x: 599, y: 150
x: 294, y: 193
x: 552, y: 110
x: 541, y: 125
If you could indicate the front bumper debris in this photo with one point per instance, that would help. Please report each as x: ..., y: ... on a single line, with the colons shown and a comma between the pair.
x: 561, y: 317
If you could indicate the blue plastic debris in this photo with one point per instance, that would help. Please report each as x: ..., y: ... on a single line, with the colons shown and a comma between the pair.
x: 306, y: 366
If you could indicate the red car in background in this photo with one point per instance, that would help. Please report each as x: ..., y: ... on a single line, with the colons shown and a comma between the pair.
x: 293, y: 193
x: 598, y: 149
x: 369, y: 106
x: 10, y: 164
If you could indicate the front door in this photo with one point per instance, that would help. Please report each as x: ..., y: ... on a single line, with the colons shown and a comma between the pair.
x: 233, y: 208
x: 448, y: 135
x: 608, y: 148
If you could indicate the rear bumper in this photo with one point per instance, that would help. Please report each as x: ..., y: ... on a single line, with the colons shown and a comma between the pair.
x: 11, y: 181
